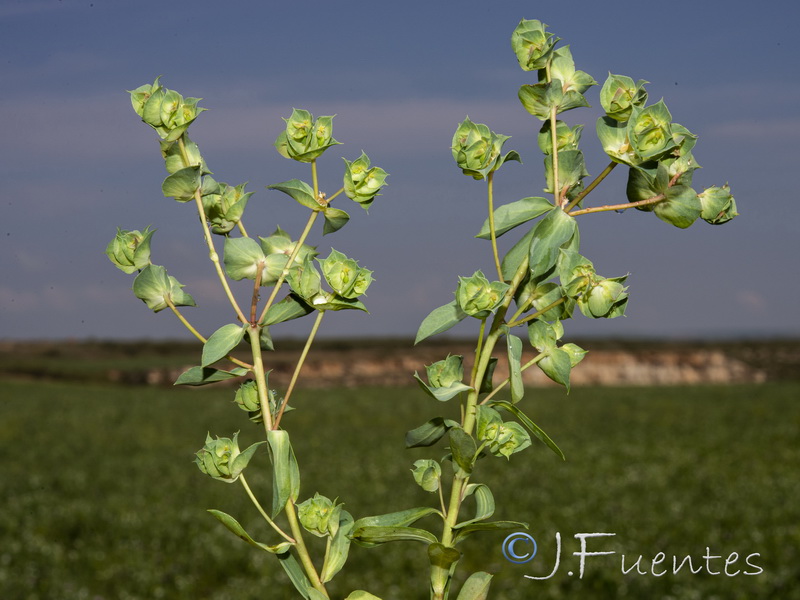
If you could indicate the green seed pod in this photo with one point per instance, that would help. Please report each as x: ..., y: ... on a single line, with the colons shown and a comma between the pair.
x: 130, y: 250
x: 477, y: 150
x: 362, y: 183
x: 427, y: 474
x: 319, y: 515
x: 532, y: 44
x: 305, y: 139
x: 718, y: 204
x: 344, y: 275
x: 477, y: 297
x: 620, y: 94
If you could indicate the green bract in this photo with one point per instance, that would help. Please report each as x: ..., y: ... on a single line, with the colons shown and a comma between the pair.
x: 427, y: 473
x: 718, y: 205
x: 319, y: 515
x: 567, y: 138
x: 304, y: 138
x: 221, y: 458
x: 477, y: 297
x: 650, y: 131
x: 477, y: 149
x: 606, y: 298
x: 166, y: 111
x: 344, y: 275
x: 224, y: 206
x: 278, y: 247
x: 130, y: 250
x: 158, y: 290
x: 362, y: 183
x: 620, y: 94
x: 532, y: 44
x: 501, y: 438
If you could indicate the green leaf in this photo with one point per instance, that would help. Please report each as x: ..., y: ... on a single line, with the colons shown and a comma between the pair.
x: 488, y: 526
x: 372, y: 536
x: 530, y: 426
x: 153, y: 286
x: 486, y: 384
x: 439, y: 320
x: 476, y: 587
x: 484, y: 501
x: 296, y: 574
x: 514, y: 367
x: 429, y: 433
x: 234, y: 526
x: 516, y: 213
x: 400, y: 518
x: 361, y: 595
x: 221, y: 342
x: 335, y: 219
x: 443, y: 556
x: 442, y: 394
x: 463, y: 447
x: 291, y: 307
x: 554, y: 230
x: 539, y: 98
x: 514, y: 257
x: 285, y: 472
x: 243, y: 257
x: 182, y: 184
x: 299, y: 191
x: 339, y: 548
x: 205, y: 375
x: 681, y: 208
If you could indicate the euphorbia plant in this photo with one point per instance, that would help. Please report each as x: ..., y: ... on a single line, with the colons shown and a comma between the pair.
x: 536, y: 285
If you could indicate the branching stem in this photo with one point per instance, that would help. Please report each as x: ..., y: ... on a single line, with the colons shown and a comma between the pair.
x: 490, y: 187
x: 264, y: 514
x: 625, y: 206
x: 576, y: 200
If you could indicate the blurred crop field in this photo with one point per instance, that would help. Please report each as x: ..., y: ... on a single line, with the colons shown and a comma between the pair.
x: 100, y: 498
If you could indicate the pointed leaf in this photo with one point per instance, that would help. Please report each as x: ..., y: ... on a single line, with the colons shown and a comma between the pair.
x: 291, y: 307
x: 514, y: 367
x: 300, y: 191
x: 285, y: 472
x: 182, y: 184
x: 335, y: 219
x: 361, y: 595
x: 296, y: 574
x: 221, y: 342
x: 488, y: 526
x: 441, y: 319
x: 516, y: 213
x: 442, y: 394
x: 463, y: 447
x: 476, y: 587
x: 339, y: 548
x: 396, y: 519
x: 518, y: 253
x: 234, y: 526
x: 373, y: 536
x: 554, y: 230
x: 530, y: 426
x: 429, y: 433
x: 484, y: 501
x: 206, y: 375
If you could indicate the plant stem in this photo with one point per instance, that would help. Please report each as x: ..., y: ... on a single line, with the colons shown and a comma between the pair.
x: 240, y: 225
x: 625, y: 206
x: 339, y: 191
x: 590, y: 187
x: 254, y: 331
x: 212, y: 252
x: 490, y: 187
x: 539, y: 313
x: 257, y: 504
x: 554, y: 141
x: 256, y: 286
x: 299, y: 366
x: 472, y: 381
x: 504, y: 383
x: 302, y: 551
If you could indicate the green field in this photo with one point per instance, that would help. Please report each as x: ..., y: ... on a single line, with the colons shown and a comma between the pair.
x: 101, y: 500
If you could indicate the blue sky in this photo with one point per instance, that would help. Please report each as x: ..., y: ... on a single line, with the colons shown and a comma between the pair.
x: 76, y: 162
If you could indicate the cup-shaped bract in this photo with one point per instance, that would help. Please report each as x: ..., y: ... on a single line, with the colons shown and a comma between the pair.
x: 319, y: 515
x: 444, y: 373
x: 477, y: 297
x: 532, y: 44
x: 130, y: 250
x: 605, y: 299
x: 224, y: 207
x: 718, y: 205
x: 158, y: 290
x: 305, y: 280
x: 563, y: 69
x: 221, y: 458
x: 477, y: 150
x: 650, y: 131
x: 363, y: 182
x: 567, y: 138
x: 344, y: 275
x: 304, y: 138
x: 620, y: 94
x: 427, y: 473
x: 278, y: 247
x: 501, y: 438
x: 166, y: 111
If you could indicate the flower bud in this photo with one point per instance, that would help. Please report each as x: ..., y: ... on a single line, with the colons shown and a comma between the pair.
x: 604, y: 299
x: 477, y: 297
x: 362, y: 183
x: 444, y: 373
x: 305, y: 139
x: 319, y: 515
x: 221, y: 458
x: 344, y: 275
x: 532, y: 44
x: 166, y: 111
x: 247, y: 396
x: 718, y: 205
x: 477, y: 149
x: 501, y: 439
x: 130, y: 250
x: 427, y: 473
x: 619, y: 95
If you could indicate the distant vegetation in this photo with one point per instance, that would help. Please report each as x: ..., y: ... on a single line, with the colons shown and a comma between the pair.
x: 88, y: 513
